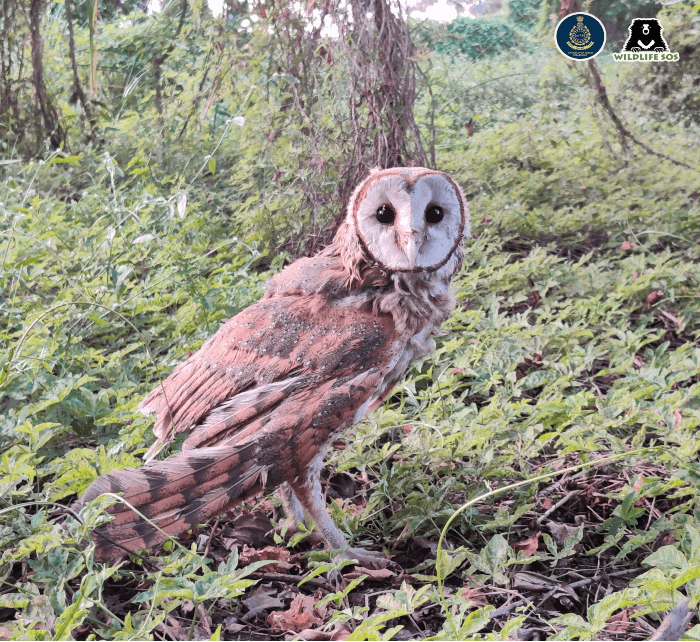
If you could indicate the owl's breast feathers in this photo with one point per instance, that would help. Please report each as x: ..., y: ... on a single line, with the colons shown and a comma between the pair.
x: 294, y: 366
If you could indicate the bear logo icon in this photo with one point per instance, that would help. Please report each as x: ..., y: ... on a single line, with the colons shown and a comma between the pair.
x: 646, y: 34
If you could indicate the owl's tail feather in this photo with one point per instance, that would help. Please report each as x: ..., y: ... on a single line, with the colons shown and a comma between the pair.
x: 176, y: 494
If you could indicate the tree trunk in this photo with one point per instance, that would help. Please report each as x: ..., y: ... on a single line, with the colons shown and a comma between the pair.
x: 383, y: 92
x: 77, y: 86
x: 52, y: 126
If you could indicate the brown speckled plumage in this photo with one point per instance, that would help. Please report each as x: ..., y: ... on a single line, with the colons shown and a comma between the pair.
x: 267, y: 394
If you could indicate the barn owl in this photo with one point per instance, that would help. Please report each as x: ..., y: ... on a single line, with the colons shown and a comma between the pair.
x: 266, y: 396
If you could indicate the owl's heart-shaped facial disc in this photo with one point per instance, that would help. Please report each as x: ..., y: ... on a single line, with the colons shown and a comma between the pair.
x: 409, y: 219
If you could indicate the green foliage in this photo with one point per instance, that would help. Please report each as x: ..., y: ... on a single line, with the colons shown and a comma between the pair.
x: 119, y: 260
x: 523, y: 13
x: 675, y: 88
x: 480, y: 37
x: 616, y: 16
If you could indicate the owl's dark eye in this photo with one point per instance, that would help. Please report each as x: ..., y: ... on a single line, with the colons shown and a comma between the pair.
x: 434, y: 214
x: 385, y: 215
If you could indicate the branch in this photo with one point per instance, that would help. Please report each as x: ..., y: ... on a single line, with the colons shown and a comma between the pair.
x: 159, y: 60
x: 619, y: 125
x: 674, y: 623
x: 87, y: 107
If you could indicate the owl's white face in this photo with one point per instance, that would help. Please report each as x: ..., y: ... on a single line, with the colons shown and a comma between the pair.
x: 409, y: 219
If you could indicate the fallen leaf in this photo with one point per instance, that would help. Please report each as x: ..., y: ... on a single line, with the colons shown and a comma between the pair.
x: 372, y: 574
x: 261, y: 599
x: 473, y: 595
x: 173, y: 629
x: 560, y: 531
x: 249, y: 555
x: 680, y: 326
x: 639, y: 361
x: 547, y: 503
x: 654, y: 297
x: 677, y: 418
x: 627, y: 246
x: 301, y: 615
x: 528, y: 546
x: 618, y: 623
x: 247, y: 529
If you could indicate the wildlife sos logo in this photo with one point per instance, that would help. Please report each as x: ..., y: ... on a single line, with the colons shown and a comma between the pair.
x: 646, y: 43
x: 580, y: 36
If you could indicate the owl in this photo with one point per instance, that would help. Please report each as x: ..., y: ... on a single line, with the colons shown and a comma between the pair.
x: 265, y: 397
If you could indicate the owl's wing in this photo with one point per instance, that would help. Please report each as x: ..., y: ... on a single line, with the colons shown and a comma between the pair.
x: 265, y: 395
x: 268, y: 359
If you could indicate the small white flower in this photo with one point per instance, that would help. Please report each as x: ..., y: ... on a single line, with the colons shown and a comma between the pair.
x: 239, y: 120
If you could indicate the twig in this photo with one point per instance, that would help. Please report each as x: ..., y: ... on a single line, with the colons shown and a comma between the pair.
x: 550, y: 489
x: 651, y: 514
x: 619, y: 125
x: 504, y: 610
x: 673, y: 625
x: 290, y: 579
x: 211, y: 537
x: 559, y: 504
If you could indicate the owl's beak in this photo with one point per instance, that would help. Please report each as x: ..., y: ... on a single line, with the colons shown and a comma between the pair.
x: 410, y: 247
x: 411, y: 251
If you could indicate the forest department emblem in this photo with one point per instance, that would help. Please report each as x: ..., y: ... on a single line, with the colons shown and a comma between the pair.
x: 580, y: 36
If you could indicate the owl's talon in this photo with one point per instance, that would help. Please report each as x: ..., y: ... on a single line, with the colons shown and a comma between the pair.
x: 373, y: 560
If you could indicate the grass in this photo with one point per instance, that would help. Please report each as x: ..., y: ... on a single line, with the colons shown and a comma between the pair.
x: 574, y: 340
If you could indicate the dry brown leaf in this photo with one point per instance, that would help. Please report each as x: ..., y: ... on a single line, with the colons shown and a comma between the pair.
x: 301, y: 615
x: 247, y: 529
x: 639, y: 361
x: 654, y: 297
x: 528, y: 546
x: 473, y: 595
x: 249, y: 555
x: 173, y: 629
x: 618, y: 623
x: 379, y: 574
x: 262, y: 599
x: 560, y: 531
x: 680, y: 326
x: 677, y: 418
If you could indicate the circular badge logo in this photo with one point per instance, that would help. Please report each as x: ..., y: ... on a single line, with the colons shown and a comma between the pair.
x: 580, y: 36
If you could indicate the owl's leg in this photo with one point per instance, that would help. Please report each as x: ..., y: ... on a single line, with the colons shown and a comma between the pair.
x: 293, y: 511
x: 309, y: 495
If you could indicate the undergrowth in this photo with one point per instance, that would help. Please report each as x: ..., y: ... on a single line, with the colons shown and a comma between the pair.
x: 575, y: 338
